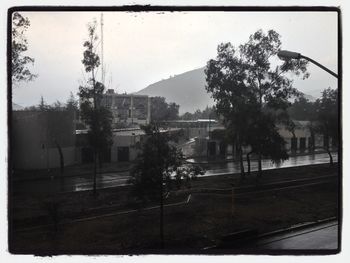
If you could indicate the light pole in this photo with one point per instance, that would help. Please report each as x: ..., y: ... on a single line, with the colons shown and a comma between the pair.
x: 285, y: 55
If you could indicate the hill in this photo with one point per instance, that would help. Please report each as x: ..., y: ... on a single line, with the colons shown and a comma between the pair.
x: 16, y: 106
x: 186, y: 89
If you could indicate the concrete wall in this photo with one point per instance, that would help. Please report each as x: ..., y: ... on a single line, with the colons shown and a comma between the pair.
x: 129, y: 141
x: 34, y: 135
x: 301, y: 131
x: 196, y: 132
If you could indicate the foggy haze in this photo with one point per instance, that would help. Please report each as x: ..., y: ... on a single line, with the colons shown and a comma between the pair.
x: 141, y: 48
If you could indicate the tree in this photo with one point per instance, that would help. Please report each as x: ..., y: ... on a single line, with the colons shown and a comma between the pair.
x: 187, y: 116
x: 161, y: 110
x: 72, y: 104
x: 302, y: 109
x: 158, y: 164
x: 19, y: 46
x: 327, y: 118
x: 248, y: 92
x: 58, y: 106
x: 43, y: 105
x: 207, y: 113
x: 97, y: 117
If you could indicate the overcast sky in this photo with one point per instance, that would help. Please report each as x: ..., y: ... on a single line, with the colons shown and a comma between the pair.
x: 143, y: 48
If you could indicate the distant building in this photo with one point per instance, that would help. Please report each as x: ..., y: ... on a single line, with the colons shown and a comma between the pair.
x: 197, y: 132
x: 195, y: 128
x: 128, y: 109
x: 213, y: 144
x: 301, y: 139
x: 126, y: 145
x: 36, y: 137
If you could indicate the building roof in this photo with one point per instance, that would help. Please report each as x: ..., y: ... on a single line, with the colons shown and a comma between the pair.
x: 128, y: 132
x: 192, y: 121
x: 125, y: 95
x: 301, y: 123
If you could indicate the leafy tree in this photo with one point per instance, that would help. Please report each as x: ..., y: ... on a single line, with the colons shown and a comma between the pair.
x: 161, y: 110
x: 302, y: 109
x: 97, y: 117
x: 158, y: 164
x: 58, y: 106
x: 157, y: 157
x: 248, y: 91
x: 187, y: 116
x: 207, y: 113
x: 43, y: 105
x: 72, y: 104
x: 327, y: 118
x: 19, y: 46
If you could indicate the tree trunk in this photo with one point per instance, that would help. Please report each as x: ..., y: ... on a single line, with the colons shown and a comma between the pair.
x: 241, y: 163
x: 161, y: 225
x: 326, y: 147
x: 330, y: 156
x: 94, y: 124
x: 61, y: 163
x: 95, y: 172
x: 248, y: 161
x: 234, y: 152
x: 61, y: 157
x: 259, y: 166
x: 161, y: 219
x: 100, y: 162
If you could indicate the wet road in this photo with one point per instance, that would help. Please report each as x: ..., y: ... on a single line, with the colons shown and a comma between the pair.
x: 106, y: 180
x: 323, y: 236
x: 233, y: 167
x: 71, y: 184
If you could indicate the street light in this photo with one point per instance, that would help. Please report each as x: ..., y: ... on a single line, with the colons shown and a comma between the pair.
x: 285, y: 55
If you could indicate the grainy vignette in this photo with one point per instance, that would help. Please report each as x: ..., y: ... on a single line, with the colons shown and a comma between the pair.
x: 179, y: 9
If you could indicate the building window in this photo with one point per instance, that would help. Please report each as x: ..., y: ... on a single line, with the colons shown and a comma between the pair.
x: 302, y: 146
x: 294, y: 144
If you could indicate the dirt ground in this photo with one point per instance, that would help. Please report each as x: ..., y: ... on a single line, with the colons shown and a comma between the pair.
x: 194, y: 225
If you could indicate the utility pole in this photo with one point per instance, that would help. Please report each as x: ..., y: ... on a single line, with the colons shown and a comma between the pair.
x: 102, y: 66
x: 161, y: 196
x: 209, y: 125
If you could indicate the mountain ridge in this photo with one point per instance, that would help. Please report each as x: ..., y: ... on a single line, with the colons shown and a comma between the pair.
x: 188, y: 90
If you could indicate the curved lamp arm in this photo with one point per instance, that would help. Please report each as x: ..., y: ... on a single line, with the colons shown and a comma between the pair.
x: 285, y: 54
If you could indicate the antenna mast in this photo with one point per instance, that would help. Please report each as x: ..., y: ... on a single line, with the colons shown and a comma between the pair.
x: 102, y: 64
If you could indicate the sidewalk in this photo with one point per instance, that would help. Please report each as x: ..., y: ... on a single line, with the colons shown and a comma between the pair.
x: 70, y: 171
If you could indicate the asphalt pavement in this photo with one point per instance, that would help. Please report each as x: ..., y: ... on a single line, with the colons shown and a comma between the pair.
x: 115, y: 179
x: 321, y: 236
